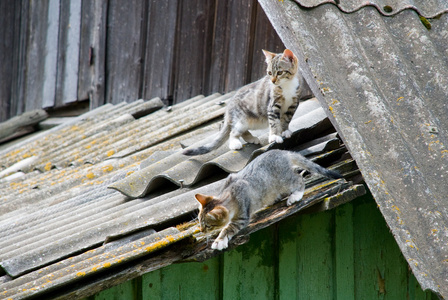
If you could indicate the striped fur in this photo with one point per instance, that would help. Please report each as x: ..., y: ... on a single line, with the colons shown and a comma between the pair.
x: 270, y: 101
x: 268, y: 178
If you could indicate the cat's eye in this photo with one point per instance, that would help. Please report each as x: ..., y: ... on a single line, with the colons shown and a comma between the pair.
x: 279, y: 72
x: 270, y: 73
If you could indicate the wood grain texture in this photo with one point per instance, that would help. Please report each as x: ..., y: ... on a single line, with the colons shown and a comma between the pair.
x: 159, y: 51
x: 124, y: 58
x: 92, y: 52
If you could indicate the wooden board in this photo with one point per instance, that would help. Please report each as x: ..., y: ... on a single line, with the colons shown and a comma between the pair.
x: 92, y: 52
x: 193, y: 48
x: 126, y: 24
x: 159, y: 50
x: 6, y: 55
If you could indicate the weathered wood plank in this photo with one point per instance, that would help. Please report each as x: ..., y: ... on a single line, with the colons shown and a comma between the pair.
x: 344, y: 253
x: 379, y: 271
x: 248, y: 271
x: 48, y: 93
x: 92, y: 52
x: 126, y: 25
x: 159, y: 50
x: 266, y: 38
x: 68, y: 52
x: 242, y: 27
x: 183, y: 281
x: 21, y: 125
x: 7, y: 24
x: 193, y: 48
x: 17, y: 104
x: 42, y: 35
x: 220, y: 49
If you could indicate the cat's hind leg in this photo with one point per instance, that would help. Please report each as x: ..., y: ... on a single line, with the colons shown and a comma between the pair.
x: 234, y: 142
x: 234, y: 138
x: 297, y: 194
x: 248, y: 137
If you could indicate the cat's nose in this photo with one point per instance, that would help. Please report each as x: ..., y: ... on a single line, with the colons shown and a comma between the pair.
x: 274, y: 79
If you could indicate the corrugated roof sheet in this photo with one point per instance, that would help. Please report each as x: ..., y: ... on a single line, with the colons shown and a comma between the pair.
x: 384, y: 81
x: 427, y: 9
x: 62, y: 225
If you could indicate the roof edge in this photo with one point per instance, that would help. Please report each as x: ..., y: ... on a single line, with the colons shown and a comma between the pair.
x: 387, y: 10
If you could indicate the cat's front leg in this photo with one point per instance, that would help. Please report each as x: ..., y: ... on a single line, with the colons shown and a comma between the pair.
x: 275, y: 123
x: 287, y: 117
x: 226, y: 234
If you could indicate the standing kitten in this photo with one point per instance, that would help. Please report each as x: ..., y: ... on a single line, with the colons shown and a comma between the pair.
x: 271, y: 101
x: 269, y: 177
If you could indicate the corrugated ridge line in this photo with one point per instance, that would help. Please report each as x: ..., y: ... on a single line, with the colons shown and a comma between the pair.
x: 386, y: 8
x: 56, y: 224
x: 84, y: 124
x: 104, y: 145
x: 17, y: 152
x: 98, y: 261
x: 87, y: 135
x: 160, y: 128
x: 137, y: 215
x: 169, y: 169
x: 16, y: 148
x: 82, y: 175
x: 182, y: 123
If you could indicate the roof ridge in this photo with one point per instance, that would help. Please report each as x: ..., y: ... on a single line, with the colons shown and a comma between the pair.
x: 386, y: 10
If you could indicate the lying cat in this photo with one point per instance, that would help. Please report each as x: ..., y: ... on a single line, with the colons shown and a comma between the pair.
x: 268, y: 178
x: 271, y: 101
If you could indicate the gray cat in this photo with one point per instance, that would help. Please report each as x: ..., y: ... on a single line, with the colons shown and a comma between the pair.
x: 268, y: 178
x: 272, y: 101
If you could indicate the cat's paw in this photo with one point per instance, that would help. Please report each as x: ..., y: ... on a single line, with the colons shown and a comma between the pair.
x: 287, y: 133
x: 235, y: 144
x: 220, y: 244
x: 252, y: 140
x: 294, y: 197
x: 275, y: 139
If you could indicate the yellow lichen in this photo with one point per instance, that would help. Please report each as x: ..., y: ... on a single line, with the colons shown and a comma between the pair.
x: 108, y: 168
x: 80, y: 274
x: 90, y: 175
x: 110, y: 153
x: 107, y: 265
x: 48, y: 166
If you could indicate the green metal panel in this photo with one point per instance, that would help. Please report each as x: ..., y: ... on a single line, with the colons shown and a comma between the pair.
x: 184, y: 281
x: 249, y: 271
x: 305, y: 257
x: 345, y: 253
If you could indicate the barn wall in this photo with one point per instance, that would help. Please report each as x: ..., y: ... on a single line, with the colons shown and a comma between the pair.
x: 58, y: 52
x: 346, y: 253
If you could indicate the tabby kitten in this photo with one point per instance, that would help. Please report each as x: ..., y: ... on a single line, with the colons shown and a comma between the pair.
x: 268, y: 178
x: 272, y: 101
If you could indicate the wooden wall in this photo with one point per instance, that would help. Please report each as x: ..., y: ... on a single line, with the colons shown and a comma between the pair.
x: 57, y: 52
x: 346, y: 253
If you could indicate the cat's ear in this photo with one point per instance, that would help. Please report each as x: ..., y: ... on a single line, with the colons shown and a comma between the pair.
x: 287, y: 54
x: 269, y: 55
x: 203, y: 199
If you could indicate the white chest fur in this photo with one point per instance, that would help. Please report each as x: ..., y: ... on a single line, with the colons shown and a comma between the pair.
x: 289, y: 90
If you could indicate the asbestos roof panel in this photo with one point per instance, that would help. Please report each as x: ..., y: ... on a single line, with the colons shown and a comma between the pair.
x: 384, y: 83
x: 61, y: 224
x: 427, y: 9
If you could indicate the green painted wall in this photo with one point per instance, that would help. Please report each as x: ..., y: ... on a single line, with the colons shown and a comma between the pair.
x: 346, y: 253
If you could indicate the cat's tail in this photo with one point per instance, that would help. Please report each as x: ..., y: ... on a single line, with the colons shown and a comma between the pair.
x: 220, y: 139
x: 312, y: 167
